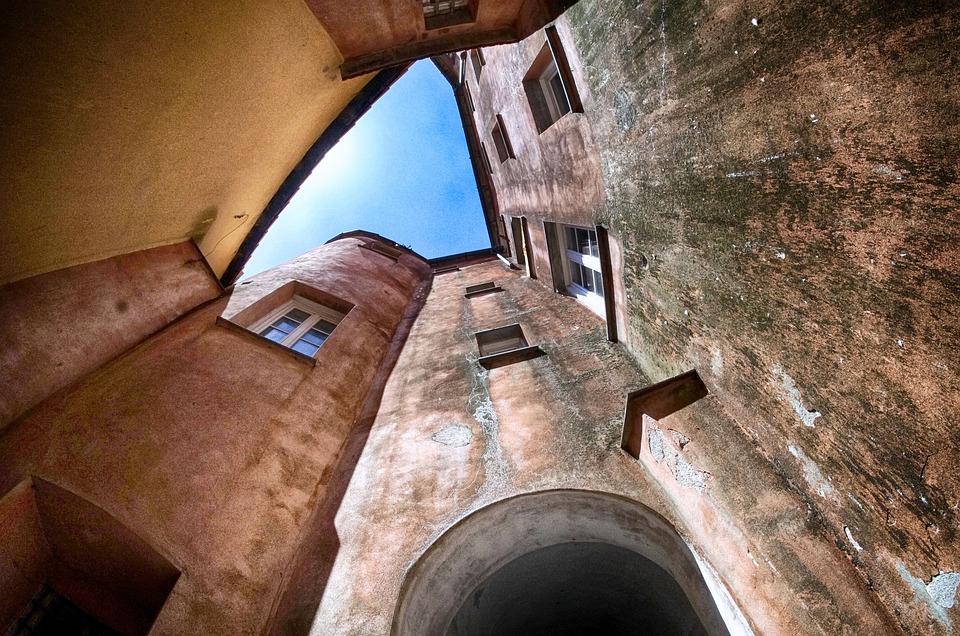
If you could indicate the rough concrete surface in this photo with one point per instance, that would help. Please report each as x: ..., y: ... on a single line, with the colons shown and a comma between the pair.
x: 783, y: 180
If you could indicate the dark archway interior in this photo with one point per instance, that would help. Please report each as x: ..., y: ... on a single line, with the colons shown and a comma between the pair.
x: 577, y: 589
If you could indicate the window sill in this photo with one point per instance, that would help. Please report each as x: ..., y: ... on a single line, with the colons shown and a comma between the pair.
x: 481, y: 292
x: 223, y: 322
x: 509, y: 357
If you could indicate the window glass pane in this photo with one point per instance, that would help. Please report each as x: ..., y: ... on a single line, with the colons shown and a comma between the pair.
x: 598, y: 281
x: 556, y: 85
x: 273, y: 334
x: 325, y: 327
x: 285, y: 324
x: 594, y: 244
x: 572, y: 239
x: 587, y: 275
x: 297, y: 314
x: 305, y: 347
x: 314, y: 336
x: 575, y: 273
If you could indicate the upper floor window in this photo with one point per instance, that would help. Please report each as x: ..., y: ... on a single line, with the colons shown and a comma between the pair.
x: 582, y: 264
x: 300, y: 324
x: 549, y: 84
x: 501, y: 140
x: 476, y: 58
x: 486, y: 158
x: 444, y: 13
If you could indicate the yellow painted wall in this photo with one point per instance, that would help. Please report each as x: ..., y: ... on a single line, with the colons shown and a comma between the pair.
x: 126, y: 126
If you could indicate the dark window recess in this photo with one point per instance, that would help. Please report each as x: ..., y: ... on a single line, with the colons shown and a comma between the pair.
x: 482, y: 288
x: 658, y: 401
x: 505, y: 345
x: 438, y: 14
x: 476, y: 58
x: 50, y: 614
x: 468, y: 97
x: 486, y: 158
x: 501, y: 140
x: 382, y: 248
x: 549, y: 84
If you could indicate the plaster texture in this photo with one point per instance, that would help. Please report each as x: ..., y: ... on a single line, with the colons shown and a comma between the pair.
x: 554, y: 423
x: 61, y: 326
x: 216, y: 447
x: 130, y: 128
x: 782, y: 179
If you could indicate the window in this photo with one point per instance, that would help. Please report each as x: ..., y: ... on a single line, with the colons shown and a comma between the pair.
x: 505, y: 345
x: 486, y: 158
x: 549, y: 84
x: 51, y: 613
x: 301, y: 325
x: 467, y: 96
x: 444, y: 13
x: 476, y: 57
x: 482, y: 288
x: 383, y: 248
x: 582, y: 267
x: 501, y: 141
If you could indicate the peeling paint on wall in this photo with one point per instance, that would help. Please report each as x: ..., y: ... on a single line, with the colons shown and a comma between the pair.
x: 497, y: 471
x: 943, y: 588
x: 665, y: 451
x: 811, y: 472
x: 921, y: 592
x: 807, y: 416
x: 456, y: 435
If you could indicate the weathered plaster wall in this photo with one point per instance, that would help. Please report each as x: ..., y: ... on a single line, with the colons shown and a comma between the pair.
x: 127, y: 127
x: 784, y: 179
x: 215, y: 446
x: 57, y: 327
x: 556, y: 174
x: 451, y: 438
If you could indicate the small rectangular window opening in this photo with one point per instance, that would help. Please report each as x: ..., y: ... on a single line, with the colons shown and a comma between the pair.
x: 382, y: 248
x: 658, y: 401
x: 438, y: 14
x: 486, y: 158
x: 501, y: 140
x: 482, y: 288
x: 476, y: 58
x: 505, y: 345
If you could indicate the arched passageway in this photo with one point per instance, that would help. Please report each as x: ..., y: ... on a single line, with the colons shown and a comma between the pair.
x: 562, y: 562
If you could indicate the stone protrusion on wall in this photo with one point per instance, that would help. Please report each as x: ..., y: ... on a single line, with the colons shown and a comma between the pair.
x: 658, y: 401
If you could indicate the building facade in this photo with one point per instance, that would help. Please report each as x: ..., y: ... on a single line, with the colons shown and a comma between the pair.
x: 712, y: 390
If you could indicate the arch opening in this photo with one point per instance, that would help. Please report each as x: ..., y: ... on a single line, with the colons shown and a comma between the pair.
x: 577, y: 588
x: 563, y: 562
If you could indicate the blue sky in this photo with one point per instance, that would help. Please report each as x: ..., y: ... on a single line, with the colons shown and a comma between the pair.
x: 402, y: 171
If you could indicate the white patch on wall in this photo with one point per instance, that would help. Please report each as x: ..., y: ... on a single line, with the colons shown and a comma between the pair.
x: 716, y: 363
x: 455, y: 435
x: 668, y: 451
x: 943, y: 588
x: 938, y: 595
x: 853, y: 542
x: 811, y: 472
x: 807, y: 416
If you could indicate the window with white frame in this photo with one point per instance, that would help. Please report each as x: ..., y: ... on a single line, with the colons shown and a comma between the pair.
x: 300, y: 324
x: 582, y: 264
